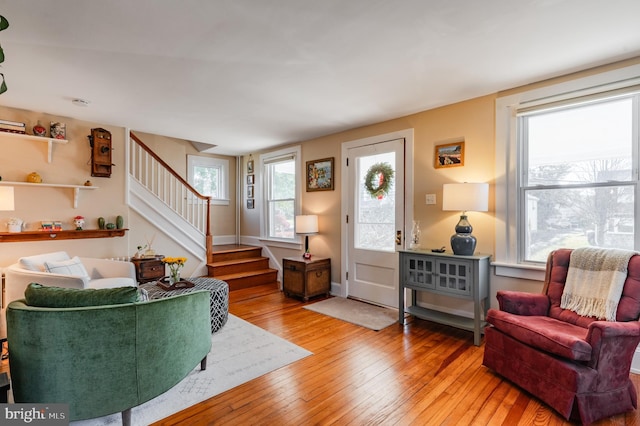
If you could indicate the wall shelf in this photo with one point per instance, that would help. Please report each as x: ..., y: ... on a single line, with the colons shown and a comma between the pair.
x: 76, y: 188
x: 49, y: 141
x: 11, y: 237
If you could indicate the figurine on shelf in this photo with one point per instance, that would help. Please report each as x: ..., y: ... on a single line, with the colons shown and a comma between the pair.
x: 78, y: 221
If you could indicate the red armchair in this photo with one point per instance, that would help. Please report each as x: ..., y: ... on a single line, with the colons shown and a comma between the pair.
x: 578, y: 365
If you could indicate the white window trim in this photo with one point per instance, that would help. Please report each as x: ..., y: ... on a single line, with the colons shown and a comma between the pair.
x: 506, y: 191
x: 296, y: 152
x: 223, y: 164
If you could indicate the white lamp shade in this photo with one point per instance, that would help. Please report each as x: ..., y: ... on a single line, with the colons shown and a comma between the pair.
x: 465, y: 197
x: 6, y: 198
x: 307, y: 224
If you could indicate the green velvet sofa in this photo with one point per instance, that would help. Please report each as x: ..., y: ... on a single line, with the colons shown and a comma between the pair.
x: 105, y: 359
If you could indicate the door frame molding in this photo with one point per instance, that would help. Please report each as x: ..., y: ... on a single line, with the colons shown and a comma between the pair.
x: 407, y: 135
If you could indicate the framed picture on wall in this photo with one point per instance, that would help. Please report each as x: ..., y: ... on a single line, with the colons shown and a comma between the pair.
x: 250, y: 203
x: 449, y: 155
x: 250, y: 167
x: 320, y: 175
x: 249, y: 191
x: 250, y: 179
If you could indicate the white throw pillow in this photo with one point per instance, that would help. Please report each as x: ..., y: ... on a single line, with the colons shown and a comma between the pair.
x: 72, y: 266
x: 36, y: 262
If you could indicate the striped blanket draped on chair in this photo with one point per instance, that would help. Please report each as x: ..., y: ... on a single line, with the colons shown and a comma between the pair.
x: 595, y: 280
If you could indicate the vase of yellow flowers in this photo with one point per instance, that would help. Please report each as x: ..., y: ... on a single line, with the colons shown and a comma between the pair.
x: 175, y: 264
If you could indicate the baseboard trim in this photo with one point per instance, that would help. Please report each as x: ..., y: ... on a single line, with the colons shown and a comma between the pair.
x: 220, y: 240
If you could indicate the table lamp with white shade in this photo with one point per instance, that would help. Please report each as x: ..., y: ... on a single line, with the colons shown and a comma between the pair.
x: 7, y: 202
x: 306, y: 225
x: 464, y: 197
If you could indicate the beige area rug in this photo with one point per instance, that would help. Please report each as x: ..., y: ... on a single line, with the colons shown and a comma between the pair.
x: 355, y: 312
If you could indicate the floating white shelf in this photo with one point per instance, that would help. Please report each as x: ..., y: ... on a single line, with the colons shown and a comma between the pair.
x: 76, y: 188
x: 49, y: 141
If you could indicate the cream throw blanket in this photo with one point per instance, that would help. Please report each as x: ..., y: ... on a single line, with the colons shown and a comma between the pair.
x: 595, y: 280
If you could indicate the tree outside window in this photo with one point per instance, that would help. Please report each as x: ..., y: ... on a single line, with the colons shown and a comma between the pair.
x: 206, y: 180
x: 578, y: 178
x: 281, y: 179
x: 209, y: 176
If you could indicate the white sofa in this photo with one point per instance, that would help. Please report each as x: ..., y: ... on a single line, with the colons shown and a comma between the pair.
x: 76, y: 272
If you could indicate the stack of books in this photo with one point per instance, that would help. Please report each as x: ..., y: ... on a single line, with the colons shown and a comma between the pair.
x: 48, y: 225
x: 12, y: 127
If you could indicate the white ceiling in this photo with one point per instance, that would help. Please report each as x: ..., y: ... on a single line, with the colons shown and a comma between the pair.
x: 249, y: 74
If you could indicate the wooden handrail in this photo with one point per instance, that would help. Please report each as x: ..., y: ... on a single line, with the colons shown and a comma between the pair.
x: 169, y: 169
x: 179, y: 179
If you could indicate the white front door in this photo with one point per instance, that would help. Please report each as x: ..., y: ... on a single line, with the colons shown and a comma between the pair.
x: 375, y: 224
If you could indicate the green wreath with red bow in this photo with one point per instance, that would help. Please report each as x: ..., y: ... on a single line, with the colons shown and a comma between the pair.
x: 378, y: 180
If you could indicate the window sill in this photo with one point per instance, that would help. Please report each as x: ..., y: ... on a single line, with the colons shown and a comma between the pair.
x: 515, y: 270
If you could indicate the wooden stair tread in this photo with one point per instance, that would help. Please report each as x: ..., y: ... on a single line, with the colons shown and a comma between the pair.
x: 232, y: 248
x: 234, y: 252
x: 236, y: 261
x: 246, y: 274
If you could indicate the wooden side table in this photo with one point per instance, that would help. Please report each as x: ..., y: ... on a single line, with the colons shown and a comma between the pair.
x: 149, y: 268
x: 306, y: 277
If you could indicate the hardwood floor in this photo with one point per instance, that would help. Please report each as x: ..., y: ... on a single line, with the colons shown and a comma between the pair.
x: 421, y: 373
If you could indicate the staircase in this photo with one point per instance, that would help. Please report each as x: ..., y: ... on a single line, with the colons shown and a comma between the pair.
x: 166, y: 200
x: 241, y: 266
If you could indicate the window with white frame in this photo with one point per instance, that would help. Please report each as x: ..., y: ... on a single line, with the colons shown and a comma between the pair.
x: 280, y: 177
x: 566, y: 169
x: 578, y: 183
x: 209, y: 176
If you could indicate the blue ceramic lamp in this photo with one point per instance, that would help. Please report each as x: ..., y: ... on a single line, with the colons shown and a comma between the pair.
x: 464, y: 197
